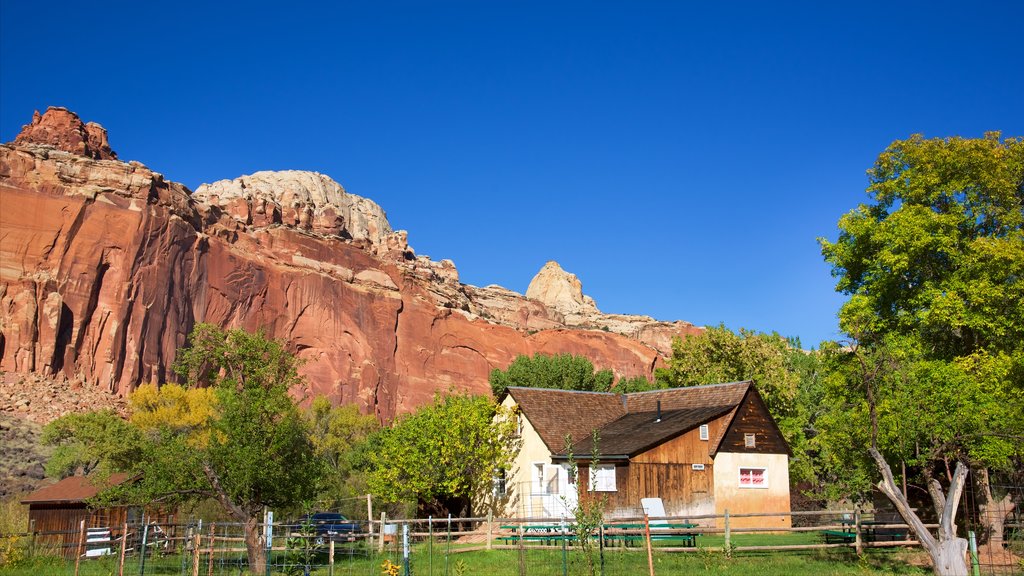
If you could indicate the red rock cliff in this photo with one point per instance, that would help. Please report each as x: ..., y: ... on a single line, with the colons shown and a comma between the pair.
x: 105, y: 267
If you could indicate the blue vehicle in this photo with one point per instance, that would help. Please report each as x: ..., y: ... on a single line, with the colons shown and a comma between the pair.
x: 330, y: 526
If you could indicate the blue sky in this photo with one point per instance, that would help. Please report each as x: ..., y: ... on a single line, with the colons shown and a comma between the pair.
x: 680, y: 157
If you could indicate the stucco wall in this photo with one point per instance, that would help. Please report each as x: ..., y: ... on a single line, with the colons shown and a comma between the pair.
x: 522, y: 502
x: 739, y: 500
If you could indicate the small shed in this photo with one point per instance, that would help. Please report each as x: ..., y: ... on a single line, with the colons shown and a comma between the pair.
x: 55, y: 512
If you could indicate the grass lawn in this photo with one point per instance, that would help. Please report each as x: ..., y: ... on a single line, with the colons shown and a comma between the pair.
x: 536, y: 562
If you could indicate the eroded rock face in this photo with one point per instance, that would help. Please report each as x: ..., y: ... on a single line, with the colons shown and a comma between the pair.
x: 303, y: 200
x: 558, y: 289
x: 105, y: 267
x: 63, y: 129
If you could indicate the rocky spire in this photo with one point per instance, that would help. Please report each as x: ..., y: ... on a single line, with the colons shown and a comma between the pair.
x: 64, y: 130
x: 558, y: 289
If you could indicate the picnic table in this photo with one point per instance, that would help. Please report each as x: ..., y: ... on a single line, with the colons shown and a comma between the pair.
x: 870, y: 531
x: 545, y: 533
x: 660, y: 531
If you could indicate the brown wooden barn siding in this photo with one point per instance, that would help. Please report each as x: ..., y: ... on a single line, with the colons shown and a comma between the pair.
x: 59, y: 525
x: 753, y: 417
x: 665, y: 472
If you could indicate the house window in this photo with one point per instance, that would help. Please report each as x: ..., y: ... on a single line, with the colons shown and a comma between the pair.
x: 602, y: 478
x: 538, y: 478
x: 704, y: 432
x: 552, y: 484
x: 753, y: 477
x: 750, y: 440
x: 499, y: 483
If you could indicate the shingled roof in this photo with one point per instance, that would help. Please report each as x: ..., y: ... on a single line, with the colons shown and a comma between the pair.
x: 72, y: 489
x: 626, y: 423
x: 557, y: 413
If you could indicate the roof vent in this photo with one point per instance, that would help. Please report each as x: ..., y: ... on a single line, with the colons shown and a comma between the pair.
x: 658, y: 419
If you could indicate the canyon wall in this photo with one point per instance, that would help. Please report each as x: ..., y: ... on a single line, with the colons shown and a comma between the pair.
x: 106, y: 266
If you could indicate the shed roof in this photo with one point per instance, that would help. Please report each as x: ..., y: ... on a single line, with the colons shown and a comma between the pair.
x: 73, y: 489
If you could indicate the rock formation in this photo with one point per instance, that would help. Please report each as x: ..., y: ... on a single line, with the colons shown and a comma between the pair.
x: 105, y: 267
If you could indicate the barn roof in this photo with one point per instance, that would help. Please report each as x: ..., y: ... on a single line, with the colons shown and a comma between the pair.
x: 73, y: 489
x: 627, y: 424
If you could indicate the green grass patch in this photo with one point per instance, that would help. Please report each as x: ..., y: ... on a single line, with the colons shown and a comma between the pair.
x: 537, y: 562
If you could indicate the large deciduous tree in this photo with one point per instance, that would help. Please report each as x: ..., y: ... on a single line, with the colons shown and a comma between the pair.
x: 785, y: 375
x: 442, y: 457
x: 232, y: 434
x: 934, y: 267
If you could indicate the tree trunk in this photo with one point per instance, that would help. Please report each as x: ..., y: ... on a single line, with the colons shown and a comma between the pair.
x: 250, y: 520
x: 948, y: 552
x: 993, y: 514
x: 950, y: 558
x: 254, y: 545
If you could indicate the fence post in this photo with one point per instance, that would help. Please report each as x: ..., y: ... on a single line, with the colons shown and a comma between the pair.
x: 405, y: 547
x: 647, y: 537
x: 975, y: 567
x: 490, y: 529
x: 32, y: 541
x: 380, y: 544
x: 565, y: 536
x: 197, y: 552
x: 124, y: 544
x: 213, y: 537
x: 145, y: 545
x: 330, y: 559
x: 81, y: 543
x: 728, y: 533
x: 430, y: 545
x: 448, y: 548
x: 268, y: 535
x: 522, y: 551
x: 369, y: 519
x: 857, y: 543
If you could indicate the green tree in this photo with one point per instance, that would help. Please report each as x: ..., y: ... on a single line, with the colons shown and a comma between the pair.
x: 337, y: 434
x: 933, y: 372
x: 636, y: 384
x: 444, y: 456
x: 785, y: 376
x: 562, y: 371
x: 249, y: 451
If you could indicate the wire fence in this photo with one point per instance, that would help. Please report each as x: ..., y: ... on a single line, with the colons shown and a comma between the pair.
x: 484, y: 545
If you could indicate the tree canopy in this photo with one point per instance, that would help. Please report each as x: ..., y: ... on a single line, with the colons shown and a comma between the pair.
x: 934, y: 370
x: 783, y: 374
x: 938, y: 255
x: 442, y: 456
x: 231, y: 433
x: 563, y: 371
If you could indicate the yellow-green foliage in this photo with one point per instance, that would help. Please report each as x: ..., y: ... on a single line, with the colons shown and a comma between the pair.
x: 13, y: 521
x: 187, y: 411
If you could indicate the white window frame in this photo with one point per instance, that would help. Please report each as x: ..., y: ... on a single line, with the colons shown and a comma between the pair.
x: 499, y: 484
x: 704, y: 432
x: 750, y: 440
x: 537, y: 479
x: 602, y: 478
x: 764, y: 477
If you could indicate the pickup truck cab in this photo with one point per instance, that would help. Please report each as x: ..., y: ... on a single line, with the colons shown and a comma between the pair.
x: 330, y: 525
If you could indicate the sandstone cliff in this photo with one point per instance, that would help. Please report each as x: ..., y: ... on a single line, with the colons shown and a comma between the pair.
x: 105, y: 267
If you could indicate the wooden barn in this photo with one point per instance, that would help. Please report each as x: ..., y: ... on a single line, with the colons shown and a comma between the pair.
x: 55, y: 512
x: 701, y: 450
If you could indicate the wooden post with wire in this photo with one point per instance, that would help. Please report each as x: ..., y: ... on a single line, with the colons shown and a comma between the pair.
x: 124, y: 544
x: 213, y: 536
x: 81, y: 543
x: 647, y: 537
